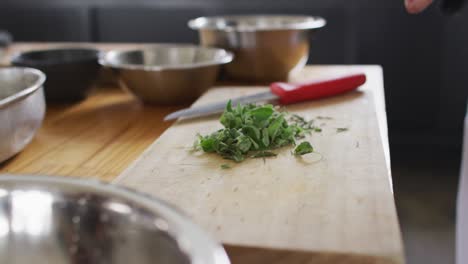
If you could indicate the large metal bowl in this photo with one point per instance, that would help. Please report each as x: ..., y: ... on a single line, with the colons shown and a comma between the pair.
x: 61, y: 220
x: 22, y: 108
x: 167, y: 73
x: 266, y: 47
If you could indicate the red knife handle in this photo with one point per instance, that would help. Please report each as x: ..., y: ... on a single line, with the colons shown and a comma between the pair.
x: 292, y: 93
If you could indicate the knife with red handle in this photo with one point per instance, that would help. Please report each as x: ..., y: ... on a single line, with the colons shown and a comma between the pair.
x: 285, y: 93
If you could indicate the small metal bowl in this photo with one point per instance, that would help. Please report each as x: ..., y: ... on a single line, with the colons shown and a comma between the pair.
x: 70, y: 71
x: 22, y: 108
x: 266, y: 48
x: 166, y: 73
x: 62, y: 220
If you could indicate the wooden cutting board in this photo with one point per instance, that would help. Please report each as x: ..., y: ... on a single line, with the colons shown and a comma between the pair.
x: 333, y: 207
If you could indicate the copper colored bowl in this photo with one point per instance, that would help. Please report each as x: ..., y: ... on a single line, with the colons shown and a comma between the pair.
x: 266, y: 47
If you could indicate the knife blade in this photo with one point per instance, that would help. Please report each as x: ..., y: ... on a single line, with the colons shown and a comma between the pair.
x: 219, y: 107
x: 285, y: 93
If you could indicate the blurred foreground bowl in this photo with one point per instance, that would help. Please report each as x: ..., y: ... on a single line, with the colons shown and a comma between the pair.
x: 266, y: 48
x: 22, y: 108
x: 61, y: 220
x: 167, y: 74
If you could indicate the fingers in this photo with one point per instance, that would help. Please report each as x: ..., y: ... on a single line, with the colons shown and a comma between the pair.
x: 416, y: 6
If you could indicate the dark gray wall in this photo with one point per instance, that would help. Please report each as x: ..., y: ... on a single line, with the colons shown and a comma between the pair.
x: 425, y: 57
x: 46, y: 24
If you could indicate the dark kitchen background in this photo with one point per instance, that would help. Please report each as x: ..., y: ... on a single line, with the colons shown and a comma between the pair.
x: 424, y: 57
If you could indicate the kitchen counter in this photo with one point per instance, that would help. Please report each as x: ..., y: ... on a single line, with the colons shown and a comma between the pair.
x: 102, y: 135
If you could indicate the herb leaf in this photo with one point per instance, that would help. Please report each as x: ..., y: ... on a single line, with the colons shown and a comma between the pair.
x: 324, y: 118
x: 225, y: 166
x: 264, y: 154
x: 251, y: 128
x: 265, y: 138
x: 303, y: 148
x: 341, y: 129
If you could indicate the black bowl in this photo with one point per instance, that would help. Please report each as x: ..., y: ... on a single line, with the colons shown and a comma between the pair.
x: 70, y: 72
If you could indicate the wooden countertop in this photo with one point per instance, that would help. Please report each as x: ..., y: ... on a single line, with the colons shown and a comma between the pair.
x: 102, y: 135
x: 98, y: 137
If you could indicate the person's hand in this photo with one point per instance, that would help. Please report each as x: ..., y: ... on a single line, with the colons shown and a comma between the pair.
x: 416, y: 6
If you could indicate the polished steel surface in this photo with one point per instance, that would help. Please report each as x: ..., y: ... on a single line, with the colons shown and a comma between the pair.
x: 266, y: 47
x: 22, y: 108
x: 245, y: 23
x: 167, y: 73
x: 214, y: 108
x: 5, y: 40
x: 52, y: 220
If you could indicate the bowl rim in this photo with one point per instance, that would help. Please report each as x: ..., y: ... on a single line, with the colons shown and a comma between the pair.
x: 204, y: 249
x: 104, y: 61
x: 22, y: 58
x: 310, y: 22
x: 26, y: 91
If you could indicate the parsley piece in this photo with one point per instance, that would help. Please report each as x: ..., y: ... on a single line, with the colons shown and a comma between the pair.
x: 324, y: 118
x: 341, y: 129
x: 303, y: 148
x: 264, y: 154
x: 254, y: 129
x: 225, y: 166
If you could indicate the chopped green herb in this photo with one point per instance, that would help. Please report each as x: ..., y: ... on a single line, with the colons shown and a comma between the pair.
x: 300, y: 121
x: 225, y: 166
x: 251, y: 128
x: 303, y: 148
x: 341, y: 129
x: 264, y: 154
x: 306, y: 126
x: 324, y: 118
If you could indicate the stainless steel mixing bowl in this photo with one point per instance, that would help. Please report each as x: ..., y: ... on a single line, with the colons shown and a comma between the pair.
x: 266, y: 47
x: 22, y: 108
x: 167, y: 73
x: 52, y: 220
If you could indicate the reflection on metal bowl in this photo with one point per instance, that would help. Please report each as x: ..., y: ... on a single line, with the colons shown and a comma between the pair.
x: 62, y: 220
x: 167, y: 73
x: 22, y: 108
x: 266, y: 47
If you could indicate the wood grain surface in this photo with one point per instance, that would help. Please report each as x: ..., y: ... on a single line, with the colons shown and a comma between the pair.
x: 337, y: 204
x: 97, y: 138
x: 101, y: 136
